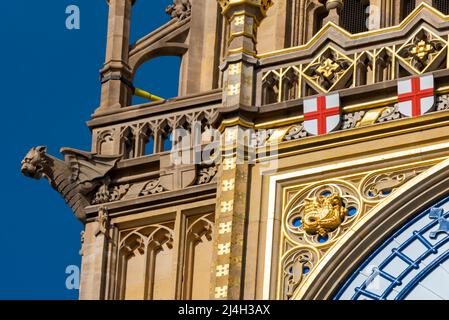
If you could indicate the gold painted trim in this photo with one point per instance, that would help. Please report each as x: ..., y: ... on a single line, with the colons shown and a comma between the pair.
x: 242, y: 34
x: 369, y: 132
x: 235, y: 122
x: 263, y: 5
x: 370, y: 105
x: 244, y: 13
x: 279, y: 123
x: 347, y: 109
x: 422, y: 163
x: 272, y: 186
x: 241, y: 50
x: 423, y: 6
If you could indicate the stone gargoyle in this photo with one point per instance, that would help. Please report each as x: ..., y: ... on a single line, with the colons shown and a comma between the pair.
x: 180, y: 9
x: 74, y: 178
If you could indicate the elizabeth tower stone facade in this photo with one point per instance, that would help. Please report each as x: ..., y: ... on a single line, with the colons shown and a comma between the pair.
x: 306, y: 155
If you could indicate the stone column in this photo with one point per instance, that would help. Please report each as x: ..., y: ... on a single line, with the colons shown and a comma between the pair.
x: 235, y: 121
x: 334, y: 7
x: 115, y: 74
x: 98, y: 259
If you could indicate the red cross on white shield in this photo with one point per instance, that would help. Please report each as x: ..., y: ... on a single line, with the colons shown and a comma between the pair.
x: 322, y: 114
x: 416, y: 96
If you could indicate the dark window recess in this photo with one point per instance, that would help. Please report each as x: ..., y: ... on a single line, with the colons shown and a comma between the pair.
x: 442, y: 5
x: 407, y: 7
x: 319, y: 17
x: 128, y: 146
x: 354, y: 16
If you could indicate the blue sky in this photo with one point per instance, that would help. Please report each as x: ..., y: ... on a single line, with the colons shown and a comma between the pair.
x: 49, y: 88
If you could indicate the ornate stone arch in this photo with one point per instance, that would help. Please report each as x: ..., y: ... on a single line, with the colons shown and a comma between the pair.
x: 145, y: 243
x: 158, y: 50
x: 128, y: 142
x: 169, y: 40
x: 372, y: 230
x: 106, y: 142
x: 198, y: 233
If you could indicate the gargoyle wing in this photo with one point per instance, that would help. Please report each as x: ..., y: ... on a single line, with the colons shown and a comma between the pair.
x: 86, y: 166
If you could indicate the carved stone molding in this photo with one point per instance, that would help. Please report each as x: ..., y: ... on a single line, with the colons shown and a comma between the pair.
x: 206, y: 175
x: 296, y: 266
x: 108, y: 194
x: 443, y: 102
x: 296, y: 132
x: 82, y: 238
x: 103, y: 222
x: 152, y: 187
x: 351, y: 120
x: 390, y: 114
x: 380, y: 185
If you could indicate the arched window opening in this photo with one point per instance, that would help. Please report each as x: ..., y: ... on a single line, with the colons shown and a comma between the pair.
x: 166, y: 139
x: 407, y: 8
x: 198, y: 253
x: 106, y: 144
x: 159, y: 76
x: 354, y: 16
x: 147, y: 141
x: 182, y: 135
x: 207, y: 132
x: 270, y: 88
x: 442, y: 5
x: 145, y: 261
x: 128, y: 144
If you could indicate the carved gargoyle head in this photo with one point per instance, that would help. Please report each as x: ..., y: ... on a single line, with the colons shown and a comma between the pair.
x: 180, y: 9
x: 35, y: 162
x: 74, y: 177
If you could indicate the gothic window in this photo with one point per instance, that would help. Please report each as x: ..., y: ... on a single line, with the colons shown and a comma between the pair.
x: 407, y: 8
x: 182, y: 136
x: 202, y: 131
x: 354, y: 15
x: 166, y: 139
x: 106, y: 143
x: 198, y: 253
x: 147, y: 141
x: 442, y: 5
x: 145, y: 263
x: 128, y: 144
x: 270, y: 88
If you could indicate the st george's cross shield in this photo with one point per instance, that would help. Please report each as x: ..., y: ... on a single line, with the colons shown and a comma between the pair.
x: 416, y: 96
x: 322, y: 114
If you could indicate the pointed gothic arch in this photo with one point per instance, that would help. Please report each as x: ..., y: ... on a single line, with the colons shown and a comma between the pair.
x: 350, y: 251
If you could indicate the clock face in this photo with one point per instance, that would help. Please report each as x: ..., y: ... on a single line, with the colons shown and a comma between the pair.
x: 411, y: 265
